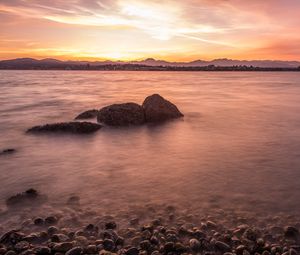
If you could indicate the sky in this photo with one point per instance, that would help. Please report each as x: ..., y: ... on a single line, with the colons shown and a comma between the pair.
x: 173, y: 30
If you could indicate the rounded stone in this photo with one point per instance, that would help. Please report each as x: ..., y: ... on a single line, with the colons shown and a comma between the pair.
x: 110, y: 225
x: 132, y: 251
x: 121, y: 115
x: 38, y: 222
x: 195, y: 244
x: 108, y: 244
x: 74, y: 251
x: 158, y: 109
x: 51, y: 220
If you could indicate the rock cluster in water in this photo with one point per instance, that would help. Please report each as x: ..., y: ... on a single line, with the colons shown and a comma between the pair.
x: 154, y: 109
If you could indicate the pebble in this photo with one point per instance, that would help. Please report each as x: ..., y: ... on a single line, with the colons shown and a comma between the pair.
x: 291, y: 232
x: 223, y: 247
x: 42, y: 250
x: 195, y: 244
x: 63, y: 247
x: 52, y: 230
x: 145, y: 245
x: 169, y: 247
x: 110, y: 225
x: 108, y: 244
x: 74, y: 251
x: 91, y: 249
x: 132, y: 251
x: 51, y: 220
x: 38, y: 222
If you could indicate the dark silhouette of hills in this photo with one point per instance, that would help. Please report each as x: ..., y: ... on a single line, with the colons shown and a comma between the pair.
x: 151, y: 64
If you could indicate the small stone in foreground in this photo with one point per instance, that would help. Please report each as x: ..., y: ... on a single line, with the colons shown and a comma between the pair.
x: 66, y: 127
x: 87, y: 115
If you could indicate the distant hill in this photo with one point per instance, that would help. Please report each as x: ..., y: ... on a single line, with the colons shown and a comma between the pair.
x: 49, y: 63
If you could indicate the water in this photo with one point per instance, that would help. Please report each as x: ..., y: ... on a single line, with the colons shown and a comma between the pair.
x: 238, y: 145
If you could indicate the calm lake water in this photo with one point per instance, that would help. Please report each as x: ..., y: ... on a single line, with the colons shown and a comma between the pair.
x: 238, y: 145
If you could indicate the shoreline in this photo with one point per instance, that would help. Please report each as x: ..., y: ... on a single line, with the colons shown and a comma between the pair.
x: 146, y: 229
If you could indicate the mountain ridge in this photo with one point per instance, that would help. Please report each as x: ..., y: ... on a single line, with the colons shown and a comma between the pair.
x: 27, y: 63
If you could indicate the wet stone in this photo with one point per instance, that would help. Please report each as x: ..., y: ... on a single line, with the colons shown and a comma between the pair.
x: 110, y: 225
x: 223, y: 247
x: 291, y: 232
x: 134, y: 221
x: 91, y: 249
x: 38, y: 222
x: 169, y: 247
x: 23, y: 245
x: 52, y: 230
x: 73, y: 200
x: 42, y: 250
x: 145, y: 245
x: 51, y: 220
x: 74, y: 251
x: 132, y: 251
x: 195, y: 244
x: 63, y: 247
x: 108, y: 244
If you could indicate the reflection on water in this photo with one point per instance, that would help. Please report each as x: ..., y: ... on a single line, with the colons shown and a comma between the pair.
x: 239, y: 142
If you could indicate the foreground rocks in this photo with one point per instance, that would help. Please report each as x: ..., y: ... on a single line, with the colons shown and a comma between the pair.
x: 66, y: 127
x: 121, y: 115
x: 158, y: 109
x: 87, y: 115
x: 154, y: 109
x: 158, y: 234
x: 29, y: 197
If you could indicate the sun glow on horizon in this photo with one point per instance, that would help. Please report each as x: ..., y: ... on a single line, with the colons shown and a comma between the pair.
x: 131, y: 29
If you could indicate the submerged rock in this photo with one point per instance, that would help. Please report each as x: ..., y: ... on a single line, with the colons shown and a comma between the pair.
x: 7, y: 151
x: 291, y: 233
x: 121, y: 115
x: 67, y: 127
x: 87, y: 115
x: 30, y: 197
x: 158, y: 109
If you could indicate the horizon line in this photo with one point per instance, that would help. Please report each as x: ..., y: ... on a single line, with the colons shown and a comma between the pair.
x: 145, y: 59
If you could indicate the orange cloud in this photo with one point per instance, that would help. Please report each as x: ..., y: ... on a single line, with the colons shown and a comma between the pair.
x: 134, y: 29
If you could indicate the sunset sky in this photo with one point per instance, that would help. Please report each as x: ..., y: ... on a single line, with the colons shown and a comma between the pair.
x: 164, y: 29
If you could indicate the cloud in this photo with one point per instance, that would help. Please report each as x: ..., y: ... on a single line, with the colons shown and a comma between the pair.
x: 214, y: 27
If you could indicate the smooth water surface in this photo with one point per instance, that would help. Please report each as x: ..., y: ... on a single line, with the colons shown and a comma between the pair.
x: 238, y: 144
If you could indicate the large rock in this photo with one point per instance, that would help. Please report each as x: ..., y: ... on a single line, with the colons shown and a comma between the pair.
x: 157, y: 109
x: 67, y: 127
x: 87, y: 115
x: 121, y: 115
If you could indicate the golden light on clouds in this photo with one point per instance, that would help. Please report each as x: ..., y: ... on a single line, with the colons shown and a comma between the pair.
x: 131, y: 29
